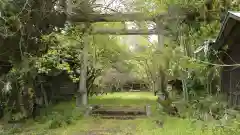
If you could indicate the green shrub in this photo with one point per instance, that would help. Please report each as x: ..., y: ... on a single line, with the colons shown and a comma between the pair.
x: 60, y: 119
x: 205, y: 108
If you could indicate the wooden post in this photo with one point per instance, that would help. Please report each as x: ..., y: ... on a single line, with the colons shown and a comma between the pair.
x: 159, y: 81
x: 160, y: 35
x: 81, y: 97
x: 82, y: 92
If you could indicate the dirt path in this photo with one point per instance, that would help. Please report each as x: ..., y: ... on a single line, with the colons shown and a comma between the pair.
x: 109, y: 127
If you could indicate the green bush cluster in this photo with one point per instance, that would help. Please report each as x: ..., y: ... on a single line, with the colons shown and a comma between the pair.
x: 61, y: 119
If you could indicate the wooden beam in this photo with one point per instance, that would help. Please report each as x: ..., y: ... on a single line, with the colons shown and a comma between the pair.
x: 159, y: 30
x: 125, y: 32
x: 115, y: 17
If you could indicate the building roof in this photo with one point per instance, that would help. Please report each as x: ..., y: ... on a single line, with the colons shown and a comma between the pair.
x: 231, y: 19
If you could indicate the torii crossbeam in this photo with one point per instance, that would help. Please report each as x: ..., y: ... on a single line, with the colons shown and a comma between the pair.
x: 125, y: 32
x: 117, y: 17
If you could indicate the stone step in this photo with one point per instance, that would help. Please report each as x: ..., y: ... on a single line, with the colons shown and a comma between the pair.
x: 120, y: 111
x: 119, y: 117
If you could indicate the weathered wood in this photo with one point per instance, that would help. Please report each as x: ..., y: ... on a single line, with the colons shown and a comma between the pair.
x: 160, y: 78
x: 126, y: 32
x: 160, y: 35
x: 82, y: 92
x: 115, y: 17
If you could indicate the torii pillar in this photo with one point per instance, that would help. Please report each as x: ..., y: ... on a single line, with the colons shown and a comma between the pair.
x: 160, y: 80
x: 81, y: 97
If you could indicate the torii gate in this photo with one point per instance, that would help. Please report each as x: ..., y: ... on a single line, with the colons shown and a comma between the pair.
x: 91, y: 17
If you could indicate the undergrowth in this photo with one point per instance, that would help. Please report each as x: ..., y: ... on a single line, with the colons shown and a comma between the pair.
x: 53, y: 117
x: 206, y: 115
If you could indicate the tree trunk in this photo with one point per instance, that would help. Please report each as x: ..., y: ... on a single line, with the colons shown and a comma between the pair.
x: 21, y: 103
x: 155, y: 88
x: 185, y: 90
x: 45, y: 97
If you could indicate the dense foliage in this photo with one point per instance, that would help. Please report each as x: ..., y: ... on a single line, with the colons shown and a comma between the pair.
x: 33, y: 46
x: 37, y: 46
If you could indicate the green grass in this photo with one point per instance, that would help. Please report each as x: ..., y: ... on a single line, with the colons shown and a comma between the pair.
x: 142, y: 126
